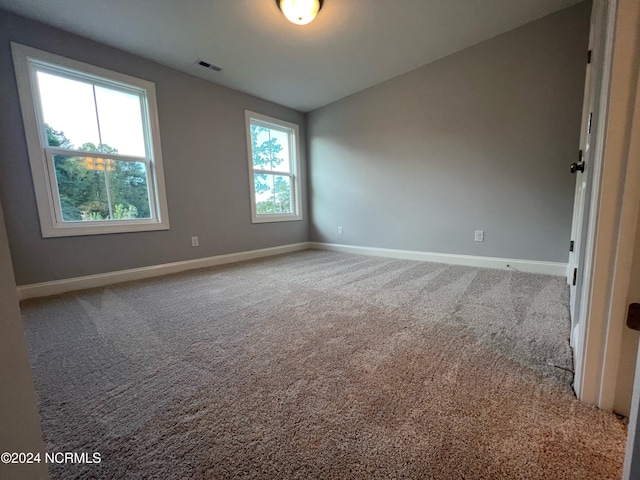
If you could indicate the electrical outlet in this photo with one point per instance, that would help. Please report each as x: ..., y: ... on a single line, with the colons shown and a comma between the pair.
x: 194, y: 241
x: 479, y: 236
x: 339, y: 230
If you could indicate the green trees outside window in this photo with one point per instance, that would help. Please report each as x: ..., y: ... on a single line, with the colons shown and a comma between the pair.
x: 95, y: 188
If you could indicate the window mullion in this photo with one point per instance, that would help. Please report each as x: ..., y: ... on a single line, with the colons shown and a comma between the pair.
x: 95, y: 106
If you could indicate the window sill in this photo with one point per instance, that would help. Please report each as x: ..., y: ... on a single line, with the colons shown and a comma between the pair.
x: 103, y: 229
x: 275, y: 218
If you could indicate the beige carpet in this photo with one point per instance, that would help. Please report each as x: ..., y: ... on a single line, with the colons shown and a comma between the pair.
x: 319, y: 365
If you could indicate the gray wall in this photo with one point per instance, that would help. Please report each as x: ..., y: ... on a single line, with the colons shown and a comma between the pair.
x: 481, y: 140
x: 205, y: 165
x: 19, y: 420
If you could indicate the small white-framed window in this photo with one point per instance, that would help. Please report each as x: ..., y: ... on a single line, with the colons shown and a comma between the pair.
x: 94, y: 146
x: 274, y: 165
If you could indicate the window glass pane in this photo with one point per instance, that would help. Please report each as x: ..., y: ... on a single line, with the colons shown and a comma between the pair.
x: 282, y: 194
x: 281, y: 160
x: 120, y: 121
x: 98, y: 189
x: 270, y: 149
x: 128, y: 185
x: 273, y: 194
x: 81, y: 188
x: 68, y: 110
x: 264, y: 193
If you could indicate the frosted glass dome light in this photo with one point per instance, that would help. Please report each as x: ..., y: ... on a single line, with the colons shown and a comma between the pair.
x: 300, y: 12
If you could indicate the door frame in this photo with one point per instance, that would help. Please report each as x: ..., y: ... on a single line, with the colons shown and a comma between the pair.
x: 632, y: 458
x: 608, y: 250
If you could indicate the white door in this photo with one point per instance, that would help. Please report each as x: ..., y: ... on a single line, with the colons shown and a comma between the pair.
x: 580, y: 167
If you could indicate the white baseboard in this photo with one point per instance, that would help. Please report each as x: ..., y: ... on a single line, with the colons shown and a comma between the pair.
x: 529, y: 266
x: 56, y: 287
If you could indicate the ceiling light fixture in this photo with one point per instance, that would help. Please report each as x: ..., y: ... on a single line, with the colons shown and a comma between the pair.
x: 300, y: 12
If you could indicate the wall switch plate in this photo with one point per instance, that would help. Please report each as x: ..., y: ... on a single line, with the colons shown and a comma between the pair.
x: 479, y: 236
x: 339, y: 230
x: 194, y: 241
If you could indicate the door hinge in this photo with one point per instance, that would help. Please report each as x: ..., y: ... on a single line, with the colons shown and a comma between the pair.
x: 571, y: 246
x: 575, y: 276
x: 589, y: 56
x: 590, y: 117
x: 633, y: 317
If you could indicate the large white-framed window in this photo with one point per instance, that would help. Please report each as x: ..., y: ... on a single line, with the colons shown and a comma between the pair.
x: 273, y: 146
x: 94, y: 146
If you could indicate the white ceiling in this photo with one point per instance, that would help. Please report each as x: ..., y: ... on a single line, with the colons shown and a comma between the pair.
x: 352, y: 44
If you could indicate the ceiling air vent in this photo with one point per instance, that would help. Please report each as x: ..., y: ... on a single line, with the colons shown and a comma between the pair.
x: 208, y: 65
